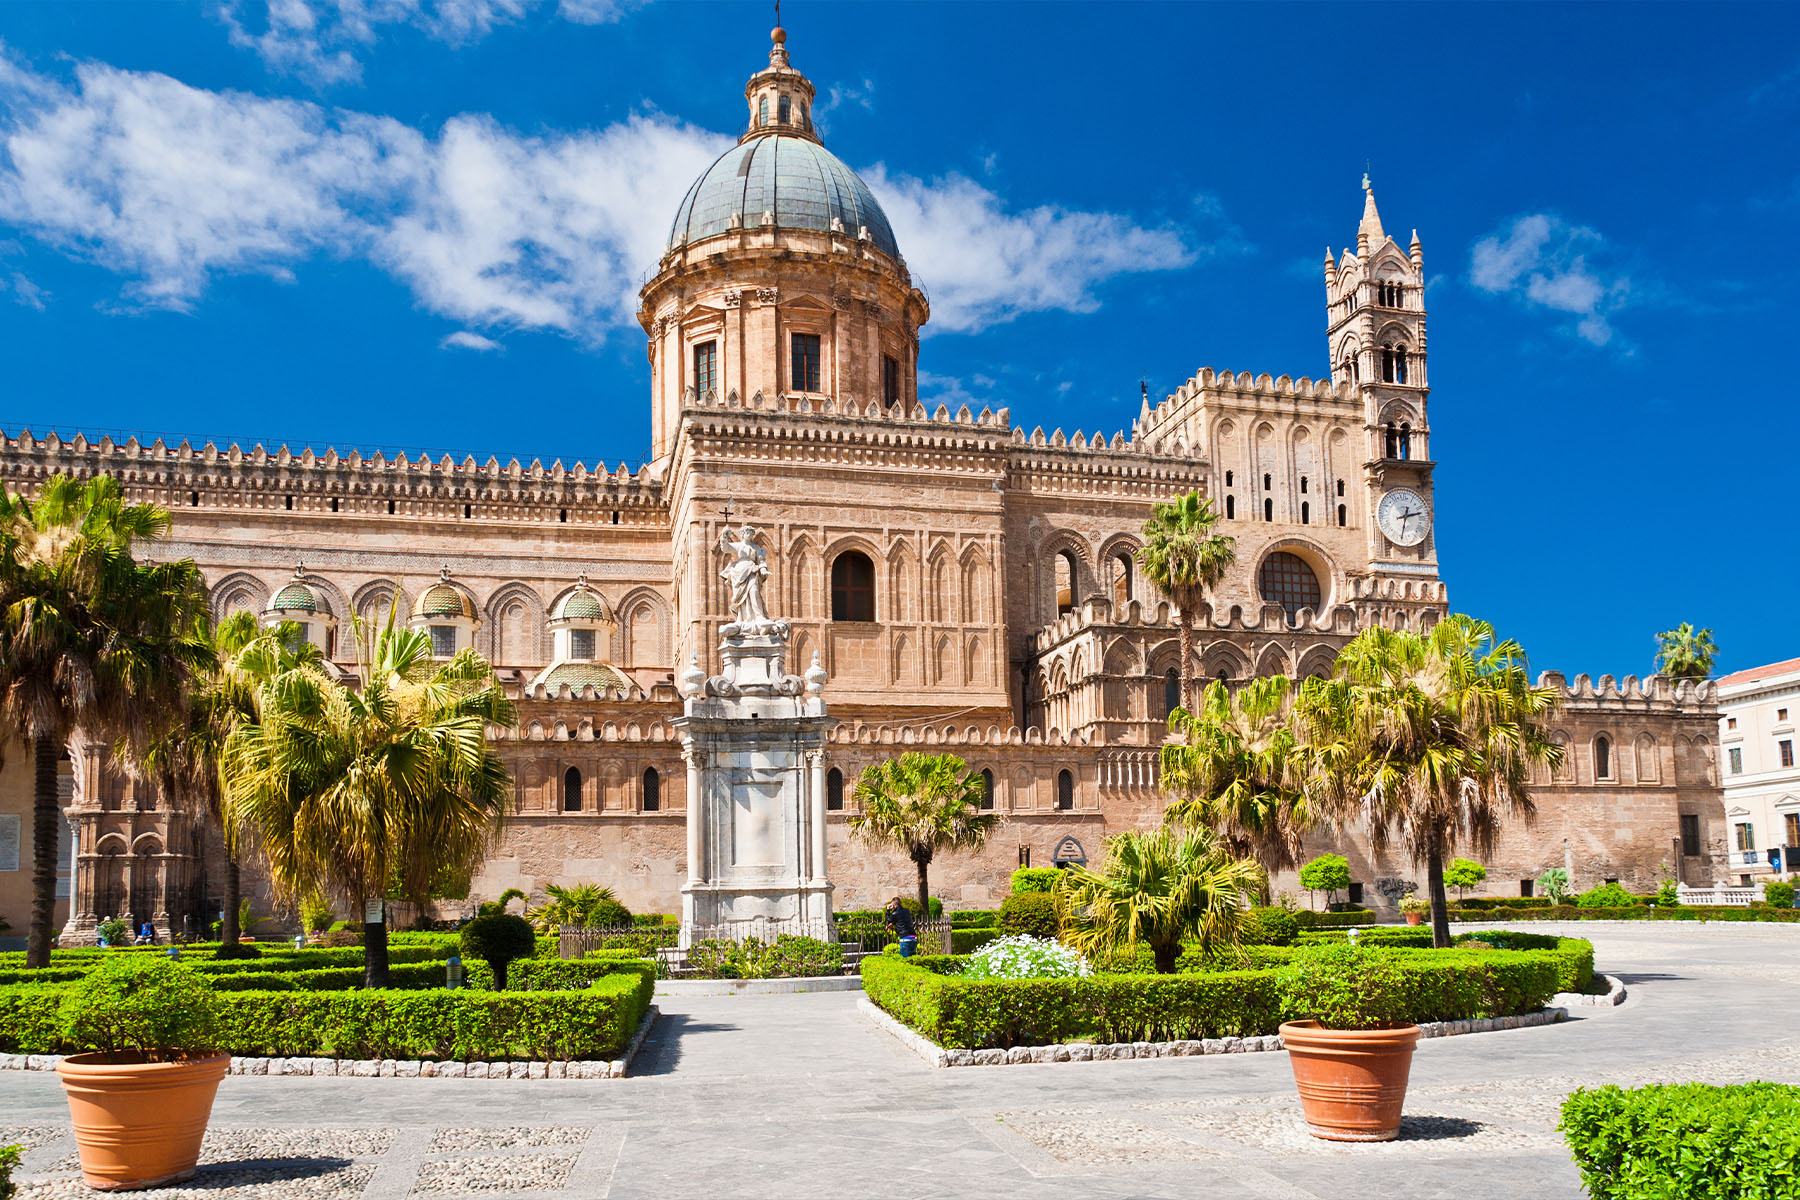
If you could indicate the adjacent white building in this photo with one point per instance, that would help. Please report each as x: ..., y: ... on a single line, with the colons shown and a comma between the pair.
x: 1757, y: 748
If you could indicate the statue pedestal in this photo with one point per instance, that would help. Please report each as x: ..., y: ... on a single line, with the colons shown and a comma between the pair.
x: 754, y: 742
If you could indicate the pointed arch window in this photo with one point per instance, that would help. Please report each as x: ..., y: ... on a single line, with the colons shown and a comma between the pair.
x: 1268, y: 510
x: 1065, y: 582
x: 1603, y: 757
x: 571, y: 790
x: 1171, y: 697
x: 1306, y: 512
x: 1343, y: 514
x: 652, y: 790
x: 1405, y: 441
x: 1065, y: 791
x: 1121, y: 581
x: 834, y: 790
x: 852, y: 587
x: 987, y: 790
x: 1230, y: 508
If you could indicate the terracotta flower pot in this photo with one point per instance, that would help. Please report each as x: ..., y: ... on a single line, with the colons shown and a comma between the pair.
x: 139, y: 1124
x: 1352, y: 1081
x: 1414, y: 918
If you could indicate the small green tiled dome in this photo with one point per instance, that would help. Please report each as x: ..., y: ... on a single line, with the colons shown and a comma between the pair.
x: 583, y: 604
x: 442, y: 600
x: 295, y: 597
x: 577, y: 675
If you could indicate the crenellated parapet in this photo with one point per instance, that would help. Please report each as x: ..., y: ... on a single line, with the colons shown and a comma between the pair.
x: 1163, y: 429
x: 232, y: 477
x: 857, y: 733
x: 1632, y: 693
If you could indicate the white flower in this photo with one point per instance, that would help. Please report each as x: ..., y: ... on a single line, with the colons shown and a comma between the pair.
x: 1024, y: 957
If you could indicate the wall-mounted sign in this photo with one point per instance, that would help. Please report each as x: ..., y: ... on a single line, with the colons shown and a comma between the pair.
x: 1069, y: 851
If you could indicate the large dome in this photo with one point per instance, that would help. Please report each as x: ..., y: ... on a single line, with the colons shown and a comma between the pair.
x: 802, y: 183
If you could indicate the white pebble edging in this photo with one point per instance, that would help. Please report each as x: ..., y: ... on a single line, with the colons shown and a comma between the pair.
x: 1615, y: 994
x: 938, y: 1056
x: 391, y: 1068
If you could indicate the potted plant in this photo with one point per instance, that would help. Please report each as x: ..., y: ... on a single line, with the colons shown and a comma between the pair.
x: 1414, y: 909
x: 141, y: 1089
x: 1350, y: 1041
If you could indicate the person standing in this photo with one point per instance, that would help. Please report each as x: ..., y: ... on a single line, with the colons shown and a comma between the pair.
x: 899, y: 919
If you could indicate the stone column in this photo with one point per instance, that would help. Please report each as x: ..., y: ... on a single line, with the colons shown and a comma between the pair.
x: 817, y: 759
x: 696, y: 815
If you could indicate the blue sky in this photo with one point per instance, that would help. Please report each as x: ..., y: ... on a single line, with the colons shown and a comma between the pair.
x: 420, y: 223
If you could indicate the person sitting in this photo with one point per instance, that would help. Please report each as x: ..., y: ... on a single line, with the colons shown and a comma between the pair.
x: 146, y: 935
x: 899, y: 918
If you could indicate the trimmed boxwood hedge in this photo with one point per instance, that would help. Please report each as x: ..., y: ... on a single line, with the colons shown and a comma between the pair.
x: 1637, y: 912
x: 1574, y: 957
x: 925, y: 994
x: 1691, y: 1141
x: 595, y: 1022
x: 1309, y: 919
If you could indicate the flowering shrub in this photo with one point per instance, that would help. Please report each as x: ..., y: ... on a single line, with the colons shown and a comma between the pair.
x: 1025, y: 957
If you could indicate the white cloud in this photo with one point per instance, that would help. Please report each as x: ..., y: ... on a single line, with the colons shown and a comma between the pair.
x: 1542, y: 261
x: 169, y: 186
x: 462, y: 339
x: 320, y: 40
x: 984, y: 264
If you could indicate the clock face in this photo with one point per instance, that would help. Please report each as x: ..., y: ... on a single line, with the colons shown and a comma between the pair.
x: 1404, y: 517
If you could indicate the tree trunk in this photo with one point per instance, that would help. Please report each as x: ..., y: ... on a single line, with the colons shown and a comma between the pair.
x: 46, y: 818
x: 1440, y: 903
x: 1165, y: 957
x: 375, y: 952
x: 924, y: 865
x: 1188, y: 697
x: 229, y: 927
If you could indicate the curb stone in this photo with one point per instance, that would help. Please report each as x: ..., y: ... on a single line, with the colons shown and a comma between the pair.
x: 939, y: 1056
x: 389, y: 1068
x: 1615, y: 994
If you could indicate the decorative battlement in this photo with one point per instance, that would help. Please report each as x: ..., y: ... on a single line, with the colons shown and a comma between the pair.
x: 1242, y: 387
x: 859, y: 734
x: 261, y: 473
x: 1097, y: 613
x: 1652, y: 689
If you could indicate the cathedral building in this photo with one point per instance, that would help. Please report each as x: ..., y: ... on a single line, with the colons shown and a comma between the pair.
x: 969, y: 583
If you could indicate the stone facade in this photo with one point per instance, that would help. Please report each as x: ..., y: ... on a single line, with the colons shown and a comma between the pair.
x: 967, y: 583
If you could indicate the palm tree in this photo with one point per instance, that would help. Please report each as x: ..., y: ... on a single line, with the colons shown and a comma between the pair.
x: 91, y: 644
x: 1685, y: 652
x: 1434, y: 738
x: 187, y: 762
x: 921, y: 804
x: 1236, y: 771
x: 1160, y: 887
x: 354, y: 790
x: 578, y: 906
x: 1184, y: 557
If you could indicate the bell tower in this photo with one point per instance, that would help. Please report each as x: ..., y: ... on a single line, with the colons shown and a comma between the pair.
x: 1375, y: 334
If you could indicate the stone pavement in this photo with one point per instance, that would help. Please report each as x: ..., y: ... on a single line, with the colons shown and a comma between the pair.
x: 796, y: 1096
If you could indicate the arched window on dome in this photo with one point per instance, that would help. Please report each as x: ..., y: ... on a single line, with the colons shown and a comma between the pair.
x: 571, y: 790
x: 581, y: 645
x: 762, y: 112
x: 784, y: 108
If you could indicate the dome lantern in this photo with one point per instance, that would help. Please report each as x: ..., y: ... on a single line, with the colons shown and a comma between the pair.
x: 302, y: 603
x: 582, y: 624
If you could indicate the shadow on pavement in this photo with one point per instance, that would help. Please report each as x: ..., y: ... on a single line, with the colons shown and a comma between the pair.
x: 1437, y: 1129
x: 246, y: 1172
x: 1630, y: 977
x: 661, y: 1051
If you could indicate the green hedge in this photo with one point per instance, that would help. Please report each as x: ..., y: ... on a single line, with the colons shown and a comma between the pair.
x: 1574, y: 957
x: 1503, y: 902
x: 925, y: 994
x: 1332, y: 920
x: 1686, y: 1141
x: 595, y: 1022
x: 967, y: 941
x: 1687, y: 912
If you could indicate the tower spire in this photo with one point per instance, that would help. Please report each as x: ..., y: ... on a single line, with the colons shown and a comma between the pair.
x: 1369, y: 233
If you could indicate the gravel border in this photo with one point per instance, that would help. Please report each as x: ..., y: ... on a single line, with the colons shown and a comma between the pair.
x: 391, y: 1068
x: 937, y: 1056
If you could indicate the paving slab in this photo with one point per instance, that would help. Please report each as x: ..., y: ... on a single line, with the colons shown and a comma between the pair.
x: 799, y: 1096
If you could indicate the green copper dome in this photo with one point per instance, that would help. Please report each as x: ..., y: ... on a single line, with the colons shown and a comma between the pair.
x: 583, y: 604
x: 295, y: 597
x: 442, y: 600
x: 577, y: 675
